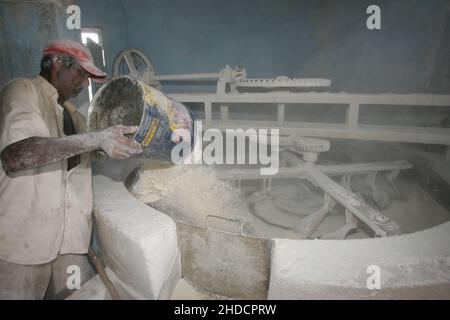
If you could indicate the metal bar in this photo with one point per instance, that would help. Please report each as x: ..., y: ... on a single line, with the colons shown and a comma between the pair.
x: 208, y: 227
x: 129, y: 61
x: 391, y: 177
x: 223, y: 114
x: 341, y: 233
x: 184, y: 77
x: 375, y: 133
x: 447, y: 155
x: 280, y: 114
x: 310, y: 224
x: 364, y: 168
x: 208, y: 114
x: 331, y: 170
x: 346, y: 182
x: 352, y: 116
x: 342, y: 131
x: 221, y: 87
x: 423, y: 100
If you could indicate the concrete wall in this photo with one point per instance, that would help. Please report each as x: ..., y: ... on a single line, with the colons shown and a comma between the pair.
x: 296, y: 38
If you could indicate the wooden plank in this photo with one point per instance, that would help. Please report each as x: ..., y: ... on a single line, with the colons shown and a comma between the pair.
x: 380, y: 224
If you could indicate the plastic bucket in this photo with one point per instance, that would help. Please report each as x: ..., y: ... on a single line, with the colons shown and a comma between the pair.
x: 162, y: 122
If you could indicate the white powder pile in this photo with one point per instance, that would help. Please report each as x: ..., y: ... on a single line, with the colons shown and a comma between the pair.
x: 188, y: 193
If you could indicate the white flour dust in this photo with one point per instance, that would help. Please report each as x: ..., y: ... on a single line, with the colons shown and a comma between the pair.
x: 187, y: 193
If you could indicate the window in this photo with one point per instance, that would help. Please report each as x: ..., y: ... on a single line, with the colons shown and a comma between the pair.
x: 95, y: 35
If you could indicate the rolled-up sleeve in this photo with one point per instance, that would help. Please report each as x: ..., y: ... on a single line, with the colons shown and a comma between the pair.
x: 20, y: 115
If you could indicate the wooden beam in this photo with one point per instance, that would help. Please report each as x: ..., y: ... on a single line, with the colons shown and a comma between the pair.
x: 380, y: 224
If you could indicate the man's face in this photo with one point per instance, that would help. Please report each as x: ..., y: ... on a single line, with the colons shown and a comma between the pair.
x: 70, y: 81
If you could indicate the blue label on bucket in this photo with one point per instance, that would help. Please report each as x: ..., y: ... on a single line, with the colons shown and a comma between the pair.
x: 154, y: 134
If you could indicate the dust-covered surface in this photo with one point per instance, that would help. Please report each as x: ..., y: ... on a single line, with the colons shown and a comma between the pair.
x: 413, y: 260
x: 190, y: 193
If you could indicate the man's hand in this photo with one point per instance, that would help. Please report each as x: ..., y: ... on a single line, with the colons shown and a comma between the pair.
x: 113, y: 142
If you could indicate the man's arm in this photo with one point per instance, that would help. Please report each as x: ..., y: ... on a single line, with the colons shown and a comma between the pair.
x: 37, y: 151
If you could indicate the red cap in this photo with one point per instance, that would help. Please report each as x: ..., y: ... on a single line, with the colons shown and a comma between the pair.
x: 79, y: 52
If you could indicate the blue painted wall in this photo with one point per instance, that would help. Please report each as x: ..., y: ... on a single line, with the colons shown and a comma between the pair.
x: 296, y: 38
x: 108, y: 16
x: 25, y: 29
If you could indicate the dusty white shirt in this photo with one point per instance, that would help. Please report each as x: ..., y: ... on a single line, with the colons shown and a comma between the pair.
x: 44, y: 211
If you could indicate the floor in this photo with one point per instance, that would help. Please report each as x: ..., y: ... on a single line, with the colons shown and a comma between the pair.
x: 185, y: 291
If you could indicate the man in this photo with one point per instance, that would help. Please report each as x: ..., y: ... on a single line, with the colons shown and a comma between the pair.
x: 45, y: 177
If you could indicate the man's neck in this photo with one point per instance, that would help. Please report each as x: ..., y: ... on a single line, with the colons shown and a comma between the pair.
x: 47, y: 76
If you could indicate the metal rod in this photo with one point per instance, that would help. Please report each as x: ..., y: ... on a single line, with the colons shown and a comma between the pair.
x: 183, y: 77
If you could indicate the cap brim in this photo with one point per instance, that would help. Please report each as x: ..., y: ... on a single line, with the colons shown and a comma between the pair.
x: 96, y: 74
